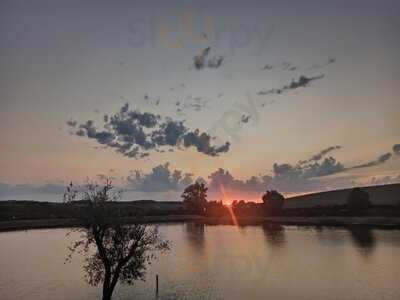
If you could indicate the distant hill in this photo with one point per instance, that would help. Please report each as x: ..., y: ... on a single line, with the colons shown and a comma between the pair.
x: 379, y: 195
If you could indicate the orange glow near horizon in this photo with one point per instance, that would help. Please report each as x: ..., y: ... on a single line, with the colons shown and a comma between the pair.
x: 229, y: 206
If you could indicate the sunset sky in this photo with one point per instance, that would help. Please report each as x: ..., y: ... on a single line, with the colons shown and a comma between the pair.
x: 299, y: 96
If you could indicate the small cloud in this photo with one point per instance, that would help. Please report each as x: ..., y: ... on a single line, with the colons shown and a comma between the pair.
x: 396, y: 149
x: 202, y: 61
x: 245, y: 118
x: 320, y: 66
x: 72, y: 123
x: 288, y: 66
x: 303, y: 81
x: 267, y: 67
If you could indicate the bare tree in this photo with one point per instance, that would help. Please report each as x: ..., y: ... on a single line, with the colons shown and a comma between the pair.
x: 113, y: 251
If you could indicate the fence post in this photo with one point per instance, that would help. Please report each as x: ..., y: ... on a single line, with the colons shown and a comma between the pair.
x: 157, y: 284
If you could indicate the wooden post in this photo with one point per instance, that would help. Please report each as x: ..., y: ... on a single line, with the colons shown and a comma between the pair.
x: 157, y: 284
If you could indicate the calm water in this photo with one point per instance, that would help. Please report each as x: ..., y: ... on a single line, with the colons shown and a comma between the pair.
x: 219, y: 262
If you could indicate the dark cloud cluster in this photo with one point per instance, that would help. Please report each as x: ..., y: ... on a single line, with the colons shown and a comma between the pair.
x: 202, y: 60
x: 134, y: 134
x: 307, y: 175
x: 284, y: 177
x: 160, y: 179
x: 222, y: 179
x: 302, y: 82
x: 327, y: 166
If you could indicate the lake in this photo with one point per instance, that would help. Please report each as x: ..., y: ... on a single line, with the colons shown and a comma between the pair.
x: 219, y: 262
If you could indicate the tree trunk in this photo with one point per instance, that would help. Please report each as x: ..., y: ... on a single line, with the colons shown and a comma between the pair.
x: 107, y: 289
x: 107, y: 294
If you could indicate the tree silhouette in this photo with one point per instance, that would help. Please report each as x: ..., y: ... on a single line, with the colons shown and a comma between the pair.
x: 195, y: 197
x: 273, y: 202
x: 113, y: 251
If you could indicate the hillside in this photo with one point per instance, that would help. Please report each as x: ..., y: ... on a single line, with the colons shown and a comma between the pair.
x: 379, y: 195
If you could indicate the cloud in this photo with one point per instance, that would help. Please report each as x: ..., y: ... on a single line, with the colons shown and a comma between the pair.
x: 72, y: 123
x: 396, y: 149
x: 202, y: 143
x: 288, y: 66
x: 160, y: 179
x: 380, y: 160
x: 284, y: 66
x: 313, y: 174
x: 201, y: 60
x: 134, y: 134
x: 328, y: 166
x: 385, y: 180
x: 245, y: 118
x: 222, y: 179
x: 320, y: 66
x: 302, y: 82
x: 284, y: 179
x: 319, y: 155
x: 267, y: 67
x: 270, y: 92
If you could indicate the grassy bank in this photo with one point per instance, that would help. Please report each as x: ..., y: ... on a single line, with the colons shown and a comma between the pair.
x: 69, y: 222
x: 379, y: 222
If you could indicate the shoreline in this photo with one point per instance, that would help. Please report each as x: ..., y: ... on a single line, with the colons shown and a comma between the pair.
x: 377, y: 222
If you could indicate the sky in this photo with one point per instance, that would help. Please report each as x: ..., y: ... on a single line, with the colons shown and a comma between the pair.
x: 298, y: 96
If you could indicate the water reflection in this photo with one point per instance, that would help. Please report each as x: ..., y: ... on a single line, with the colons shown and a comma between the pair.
x: 195, y: 236
x: 218, y: 262
x: 274, y: 234
x: 364, y: 239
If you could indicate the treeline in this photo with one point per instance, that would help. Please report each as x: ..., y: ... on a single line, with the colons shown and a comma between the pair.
x: 33, y: 210
x: 273, y: 204
x: 195, y: 202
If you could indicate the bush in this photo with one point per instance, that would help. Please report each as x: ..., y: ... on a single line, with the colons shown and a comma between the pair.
x: 358, y: 199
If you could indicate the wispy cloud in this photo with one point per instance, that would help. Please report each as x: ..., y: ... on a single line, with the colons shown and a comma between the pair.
x: 302, y: 82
